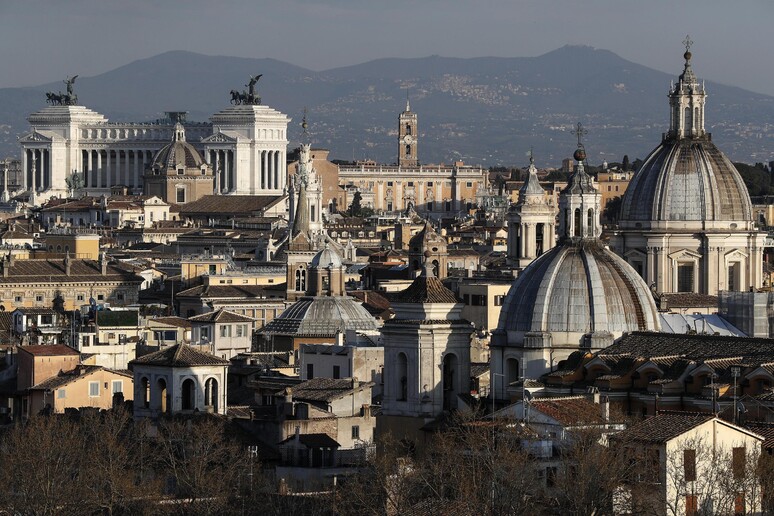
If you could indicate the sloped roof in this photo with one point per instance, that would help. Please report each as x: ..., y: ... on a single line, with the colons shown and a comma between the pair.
x: 179, y: 355
x: 570, y: 411
x: 326, y: 389
x: 426, y: 288
x: 314, y: 440
x: 221, y: 316
x: 53, y: 271
x: 230, y: 204
x: 65, y: 377
x: 49, y: 350
x: 662, y: 427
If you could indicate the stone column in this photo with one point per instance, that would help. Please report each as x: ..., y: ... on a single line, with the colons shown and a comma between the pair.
x: 109, y: 159
x: 136, y: 158
x: 34, y: 170
x: 99, y: 172
x: 263, y: 170
x: 276, y: 184
x: 217, y: 172
x: 522, y: 240
x: 24, y: 169
x: 283, y: 169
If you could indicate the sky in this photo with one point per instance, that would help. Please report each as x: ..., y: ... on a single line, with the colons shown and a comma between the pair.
x: 43, y: 41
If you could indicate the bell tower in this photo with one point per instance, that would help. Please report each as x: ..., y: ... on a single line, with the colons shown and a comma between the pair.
x: 407, y: 137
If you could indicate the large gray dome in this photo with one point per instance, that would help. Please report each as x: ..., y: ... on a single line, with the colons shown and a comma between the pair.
x: 582, y: 287
x: 686, y: 180
x: 323, y: 316
x: 177, y: 154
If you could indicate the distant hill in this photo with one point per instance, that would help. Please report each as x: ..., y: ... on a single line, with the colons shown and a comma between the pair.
x: 486, y: 110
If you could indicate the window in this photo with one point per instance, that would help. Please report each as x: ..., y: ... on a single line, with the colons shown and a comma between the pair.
x: 336, y: 372
x: 60, y: 394
x: 733, y: 276
x: 205, y: 332
x: 180, y: 171
x: 498, y: 300
x: 118, y: 386
x: 469, y: 184
x: 240, y: 330
x: 691, y: 505
x: 38, y: 298
x: 356, y: 432
x: 685, y: 277
x: 80, y: 297
x: 739, y: 458
x: 180, y: 196
x: 17, y: 299
x: 429, y: 183
x: 120, y: 297
x: 410, y: 183
x: 309, y: 371
x: 100, y: 297
x: 225, y: 330
x: 389, y: 183
x: 689, y: 465
x: 93, y: 389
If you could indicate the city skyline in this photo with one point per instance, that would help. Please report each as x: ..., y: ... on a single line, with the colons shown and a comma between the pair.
x: 89, y: 38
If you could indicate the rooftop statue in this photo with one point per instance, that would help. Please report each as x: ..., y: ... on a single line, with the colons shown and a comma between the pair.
x: 249, y: 96
x: 64, y: 99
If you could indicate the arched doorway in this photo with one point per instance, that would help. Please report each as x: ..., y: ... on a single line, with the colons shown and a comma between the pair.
x: 211, y: 395
x: 450, y: 382
x: 188, y: 395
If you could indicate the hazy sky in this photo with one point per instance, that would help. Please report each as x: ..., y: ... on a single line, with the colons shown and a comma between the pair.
x: 45, y: 40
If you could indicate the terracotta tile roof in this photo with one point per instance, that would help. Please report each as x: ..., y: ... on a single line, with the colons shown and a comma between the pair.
x: 238, y: 205
x: 694, y: 347
x: 221, y: 316
x: 179, y: 355
x: 765, y: 430
x: 326, y: 389
x: 50, y: 350
x: 570, y: 411
x: 314, y: 440
x: 53, y: 271
x: 224, y: 291
x: 689, y: 300
x: 424, y: 289
x: 178, y: 322
x: 65, y: 377
x: 662, y: 427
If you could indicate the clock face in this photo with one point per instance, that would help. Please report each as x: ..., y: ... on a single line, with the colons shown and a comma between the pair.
x: 408, y: 139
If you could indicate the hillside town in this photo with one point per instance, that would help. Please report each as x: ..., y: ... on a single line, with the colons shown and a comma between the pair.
x: 208, y: 318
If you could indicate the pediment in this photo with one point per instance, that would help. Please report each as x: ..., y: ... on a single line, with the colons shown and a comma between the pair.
x: 735, y: 254
x: 35, y: 137
x: 219, y: 138
x: 685, y: 254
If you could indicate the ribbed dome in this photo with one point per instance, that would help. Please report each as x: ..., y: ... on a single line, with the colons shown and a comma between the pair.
x: 322, y: 316
x: 177, y: 154
x: 686, y: 179
x: 326, y: 258
x: 581, y: 287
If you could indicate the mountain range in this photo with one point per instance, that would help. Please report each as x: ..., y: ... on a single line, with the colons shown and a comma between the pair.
x: 485, y: 111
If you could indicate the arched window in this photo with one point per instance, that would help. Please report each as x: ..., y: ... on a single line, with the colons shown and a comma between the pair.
x: 577, y: 226
x: 402, y: 377
x: 688, y: 122
x: 188, y: 394
x: 590, y: 222
x: 301, y: 279
x: 408, y: 150
x: 436, y: 269
x: 511, y: 371
x: 450, y: 386
x: 211, y: 394
x: 408, y: 128
x: 162, y: 401
x: 145, y: 388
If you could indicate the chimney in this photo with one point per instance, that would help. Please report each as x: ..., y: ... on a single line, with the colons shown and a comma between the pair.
x: 68, y: 264
x: 355, y: 382
x: 287, y: 403
x: 604, y: 405
x: 103, y: 263
x: 11, y: 259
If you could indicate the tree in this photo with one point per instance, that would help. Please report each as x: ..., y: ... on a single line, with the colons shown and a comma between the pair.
x: 355, y: 208
x: 625, y: 163
x: 612, y: 209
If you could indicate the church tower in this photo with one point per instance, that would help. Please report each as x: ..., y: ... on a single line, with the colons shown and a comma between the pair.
x: 580, y: 202
x: 426, y: 356
x: 530, y: 222
x: 407, y: 138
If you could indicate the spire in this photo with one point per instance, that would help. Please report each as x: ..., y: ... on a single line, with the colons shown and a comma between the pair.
x: 580, y: 182
x: 531, y: 186
x: 686, y: 101
x: 179, y: 132
x: 301, y: 220
x: 408, y: 106
x: 579, y: 202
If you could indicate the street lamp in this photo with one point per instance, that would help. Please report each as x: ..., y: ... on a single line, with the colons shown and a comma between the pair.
x: 736, y: 372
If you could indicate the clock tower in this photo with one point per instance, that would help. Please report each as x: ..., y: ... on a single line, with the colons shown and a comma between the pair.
x: 407, y: 138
